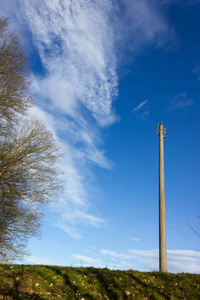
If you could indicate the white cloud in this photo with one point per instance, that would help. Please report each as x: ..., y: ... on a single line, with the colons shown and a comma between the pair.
x: 135, y: 239
x: 184, y: 261
x: 139, y: 107
x: 144, y: 23
x: 181, y: 101
x: 32, y: 260
x: 142, y: 110
x: 88, y: 261
x: 115, y: 254
x: 74, y: 205
x: 76, y: 43
x: 85, y: 261
x: 177, y: 260
x: 148, y: 258
x: 196, y: 70
x: 71, y: 231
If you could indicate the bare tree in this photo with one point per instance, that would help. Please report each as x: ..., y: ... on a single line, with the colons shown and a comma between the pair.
x: 28, y: 152
x: 14, y: 74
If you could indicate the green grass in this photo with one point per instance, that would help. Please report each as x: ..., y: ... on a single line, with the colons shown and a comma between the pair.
x: 51, y: 282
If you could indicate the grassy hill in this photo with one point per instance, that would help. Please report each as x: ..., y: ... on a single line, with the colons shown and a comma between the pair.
x: 51, y: 282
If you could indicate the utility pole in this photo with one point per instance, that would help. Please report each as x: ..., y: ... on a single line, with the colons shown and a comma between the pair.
x: 162, y: 223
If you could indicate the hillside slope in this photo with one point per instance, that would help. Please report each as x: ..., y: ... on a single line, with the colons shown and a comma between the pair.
x: 52, y: 282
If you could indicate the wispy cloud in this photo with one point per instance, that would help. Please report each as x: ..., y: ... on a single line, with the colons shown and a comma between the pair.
x: 181, y: 101
x: 88, y: 261
x: 148, y: 258
x: 115, y: 254
x: 142, y: 110
x: 75, y: 43
x: 32, y: 260
x: 74, y: 205
x: 196, y: 71
x: 135, y: 239
x: 139, y: 107
x: 144, y: 23
x: 178, y: 260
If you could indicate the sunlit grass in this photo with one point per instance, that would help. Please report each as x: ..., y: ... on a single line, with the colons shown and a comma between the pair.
x: 52, y: 282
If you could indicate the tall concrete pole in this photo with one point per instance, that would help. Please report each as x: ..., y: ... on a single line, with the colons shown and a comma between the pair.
x: 162, y: 223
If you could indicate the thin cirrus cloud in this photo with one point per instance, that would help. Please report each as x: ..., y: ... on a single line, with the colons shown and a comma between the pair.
x: 196, y: 71
x: 142, y: 110
x: 75, y: 44
x: 74, y: 41
x: 178, y: 260
x: 181, y: 101
x: 140, y: 106
x: 144, y: 22
x: 32, y: 260
x: 115, y: 254
x: 82, y: 260
x: 134, y: 239
x: 88, y: 261
x: 79, y: 45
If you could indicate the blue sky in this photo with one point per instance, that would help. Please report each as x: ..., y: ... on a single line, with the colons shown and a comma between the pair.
x: 105, y: 73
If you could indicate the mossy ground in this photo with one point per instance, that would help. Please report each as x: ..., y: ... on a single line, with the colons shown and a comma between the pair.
x: 52, y: 282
